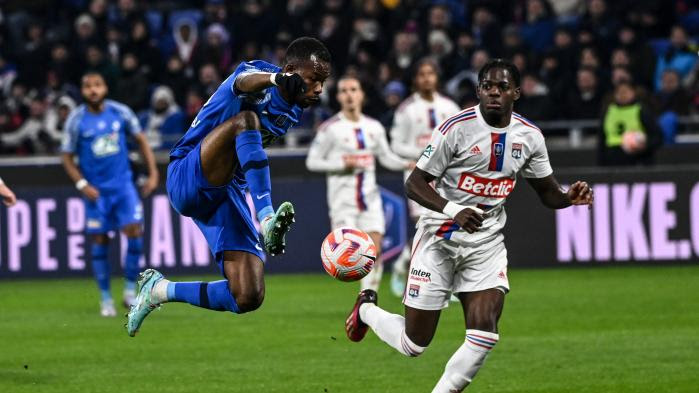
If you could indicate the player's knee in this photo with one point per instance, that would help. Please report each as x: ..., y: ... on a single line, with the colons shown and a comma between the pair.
x: 245, y: 120
x: 413, y: 346
x: 249, y: 299
x: 484, y: 320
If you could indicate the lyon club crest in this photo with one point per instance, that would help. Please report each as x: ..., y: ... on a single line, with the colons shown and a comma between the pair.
x: 516, y: 150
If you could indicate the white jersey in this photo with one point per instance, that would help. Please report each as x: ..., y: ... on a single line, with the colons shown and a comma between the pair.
x: 414, y: 121
x: 365, y: 140
x: 476, y: 164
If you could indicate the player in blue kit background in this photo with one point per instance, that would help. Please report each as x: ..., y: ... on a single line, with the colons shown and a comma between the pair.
x: 221, y: 155
x: 96, y: 133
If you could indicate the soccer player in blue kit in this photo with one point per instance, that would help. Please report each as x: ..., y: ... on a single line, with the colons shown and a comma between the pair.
x: 221, y: 155
x: 96, y: 133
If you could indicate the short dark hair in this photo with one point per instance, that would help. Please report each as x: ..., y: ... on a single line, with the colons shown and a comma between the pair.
x: 93, y: 73
x: 301, y: 49
x: 502, y: 64
x: 426, y: 61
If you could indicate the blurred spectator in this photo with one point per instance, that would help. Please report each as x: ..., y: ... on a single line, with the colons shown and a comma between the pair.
x: 132, y: 86
x: 393, y: 94
x: 629, y: 133
x: 164, y: 122
x: 55, y: 120
x: 512, y: 42
x: 185, y: 33
x: 642, y: 54
x: 216, y: 49
x: 98, y: 11
x: 673, y: 101
x: 672, y: 96
x: 85, y: 35
x: 31, y: 137
x: 97, y: 62
x: 140, y: 44
x: 461, y: 55
x: 215, y: 12
x: 600, y: 20
x: 193, y: 103
x: 485, y: 30
x: 258, y: 22
x: 175, y: 77
x: 8, y: 73
x: 405, y: 52
x: 62, y: 63
x: 439, y: 45
x: 478, y: 60
x: 209, y: 79
x: 678, y: 57
x: 33, y: 56
x: 535, y: 102
x: 125, y: 14
x: 584, y: 102
x: 538, y: 30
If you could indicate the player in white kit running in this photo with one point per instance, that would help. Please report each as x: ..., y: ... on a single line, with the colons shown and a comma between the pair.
x: 413, y: 123
x: 475, y: 157
x: 346, y: 147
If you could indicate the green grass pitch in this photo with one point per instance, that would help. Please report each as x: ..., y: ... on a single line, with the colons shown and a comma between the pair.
x: 626, y: 329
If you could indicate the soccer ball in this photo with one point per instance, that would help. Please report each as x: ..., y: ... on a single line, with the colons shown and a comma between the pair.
x: 348, y: 254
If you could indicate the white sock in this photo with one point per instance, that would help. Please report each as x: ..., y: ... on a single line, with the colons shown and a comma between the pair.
x: 390, y: 328
x: 400, y: 265
x: 159, y: 292
x: 373, y: 279
x: 466, y: 361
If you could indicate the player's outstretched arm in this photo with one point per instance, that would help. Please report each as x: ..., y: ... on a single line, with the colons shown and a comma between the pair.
x: 553, y: 196
x: 149, y: 159
x: 418, y: 188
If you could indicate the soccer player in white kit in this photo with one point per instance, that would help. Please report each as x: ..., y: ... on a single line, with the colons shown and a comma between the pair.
x: 346, y: 147
x: 411, y: 131
x: 474, y: 156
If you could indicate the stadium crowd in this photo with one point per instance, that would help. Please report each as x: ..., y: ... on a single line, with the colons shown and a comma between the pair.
x: 164, y: 58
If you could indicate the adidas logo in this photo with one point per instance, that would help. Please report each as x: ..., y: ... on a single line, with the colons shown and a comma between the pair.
x: 475, y: 150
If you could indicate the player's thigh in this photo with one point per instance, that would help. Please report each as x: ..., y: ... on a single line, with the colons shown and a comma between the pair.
x: 97, y: 215
x: 420, y: 325
x: 128, y: 211
x: 482, y: 267
x: 431, y: 272
x: 482, y: 309
x: 218, y: 156
x: 189, y: 191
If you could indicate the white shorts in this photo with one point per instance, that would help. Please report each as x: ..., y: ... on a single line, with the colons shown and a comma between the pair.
x: 371, y: 220
x: 440, y: 267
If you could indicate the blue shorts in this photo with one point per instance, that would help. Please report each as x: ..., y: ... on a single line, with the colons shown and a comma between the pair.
x: 221, y: 213
x: 113, y: 210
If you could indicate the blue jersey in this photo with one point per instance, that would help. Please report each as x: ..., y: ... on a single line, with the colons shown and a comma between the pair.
x: 99, y: 142
x: 275, y: 114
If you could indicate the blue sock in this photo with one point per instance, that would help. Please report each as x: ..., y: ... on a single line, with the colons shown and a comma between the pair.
x: 100, y: 268
x: 134, y: 250
x: 254, y: 164
x: 211, y: 295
